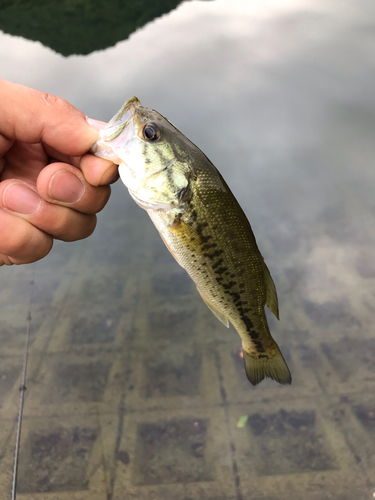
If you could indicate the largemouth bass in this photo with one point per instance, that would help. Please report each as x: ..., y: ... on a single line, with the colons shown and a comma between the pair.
x: 202, y: 225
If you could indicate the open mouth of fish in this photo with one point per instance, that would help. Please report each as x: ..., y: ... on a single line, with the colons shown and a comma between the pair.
x: 118, y: 133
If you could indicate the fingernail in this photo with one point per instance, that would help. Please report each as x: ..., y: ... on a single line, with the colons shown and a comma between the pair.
x: 96, y: 124
x: 110, y: 176
x: 19, y: 198
x: 66, y: 187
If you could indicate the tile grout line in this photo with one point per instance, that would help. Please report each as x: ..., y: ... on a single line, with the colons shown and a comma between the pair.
x: 106, y: 472
x: 116, y: 450
x: 122, y: 410
x: 22, y: 395
x: 223, y: 394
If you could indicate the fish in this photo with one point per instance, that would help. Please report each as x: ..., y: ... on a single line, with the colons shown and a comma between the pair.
x: 201, y: 224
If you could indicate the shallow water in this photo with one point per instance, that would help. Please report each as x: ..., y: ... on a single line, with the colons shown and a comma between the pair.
x: 134, y: 389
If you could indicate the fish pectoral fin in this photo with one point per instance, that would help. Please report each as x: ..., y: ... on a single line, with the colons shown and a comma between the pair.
x: 214, y: 309
x: 187, y: 235
x: 271, y: 298
x: 259, y: 366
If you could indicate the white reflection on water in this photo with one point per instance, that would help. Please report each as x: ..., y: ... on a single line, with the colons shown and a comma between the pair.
x: 280, y: 96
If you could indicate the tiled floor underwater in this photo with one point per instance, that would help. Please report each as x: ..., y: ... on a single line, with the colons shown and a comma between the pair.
x: 135, y: 391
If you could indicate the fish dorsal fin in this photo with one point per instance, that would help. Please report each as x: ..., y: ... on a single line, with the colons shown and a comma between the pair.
x: 271, y: 299
x: 215, y: 311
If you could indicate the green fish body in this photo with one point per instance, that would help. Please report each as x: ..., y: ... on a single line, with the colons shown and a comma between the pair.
x: 202, y: 224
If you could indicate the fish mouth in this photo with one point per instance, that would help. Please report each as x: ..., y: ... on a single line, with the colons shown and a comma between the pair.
x: 127, y: 111
x: 121, y: 119
x: 118, y: 132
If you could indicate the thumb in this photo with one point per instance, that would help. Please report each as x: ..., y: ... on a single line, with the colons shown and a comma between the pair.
x: 31, y: 116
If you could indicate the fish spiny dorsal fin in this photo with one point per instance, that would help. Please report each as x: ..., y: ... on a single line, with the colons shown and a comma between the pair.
x: 271, y: 299
x: 214, y: 310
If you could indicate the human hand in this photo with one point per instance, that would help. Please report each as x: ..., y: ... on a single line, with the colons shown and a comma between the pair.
x: 41, y: 201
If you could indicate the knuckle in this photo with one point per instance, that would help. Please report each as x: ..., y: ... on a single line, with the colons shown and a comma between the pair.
x: 51, y: 99
x: 61, y: 226
x: 5, y: 260
x: 94, y: 199
x: 80, y: 228
x: 90, y: 228
x: 106, y: 195
x: 12, y: 244
x: 39, y: 251
x: 58, y: 103
x: 102, y: 196
x: 25, y: 244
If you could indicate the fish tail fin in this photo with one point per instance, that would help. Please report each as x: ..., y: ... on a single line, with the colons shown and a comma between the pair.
x: 260, y: 366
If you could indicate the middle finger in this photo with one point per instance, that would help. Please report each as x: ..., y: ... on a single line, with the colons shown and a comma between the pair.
x: 22, y: 200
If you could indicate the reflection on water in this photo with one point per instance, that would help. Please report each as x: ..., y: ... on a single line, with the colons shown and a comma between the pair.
x: 79, y: 27
x: 134, y: 388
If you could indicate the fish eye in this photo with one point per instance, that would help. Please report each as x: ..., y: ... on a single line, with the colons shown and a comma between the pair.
x: 151, y: 132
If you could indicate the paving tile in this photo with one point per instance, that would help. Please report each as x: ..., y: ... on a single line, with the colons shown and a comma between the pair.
x: 354, y: 415
x: 173, y: 376
x: 352, y: 362
x: 98, y: 313
x: 66, y: 458
x: 171, y: 453
x: 65, y: 383
x: 297, y: 449
x: 289, y: 443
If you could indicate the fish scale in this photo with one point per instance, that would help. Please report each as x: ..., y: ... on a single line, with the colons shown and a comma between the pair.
x: 202, y: 225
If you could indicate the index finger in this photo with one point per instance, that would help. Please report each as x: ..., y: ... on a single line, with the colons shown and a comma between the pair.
x: 31, y: 116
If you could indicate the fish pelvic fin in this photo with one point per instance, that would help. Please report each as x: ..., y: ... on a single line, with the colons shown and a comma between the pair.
x: 259, y: 366
x: 214, y: 310
x: 271, y: 297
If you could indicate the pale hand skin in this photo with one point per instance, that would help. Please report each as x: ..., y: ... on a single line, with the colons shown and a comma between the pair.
x: 43, y: 199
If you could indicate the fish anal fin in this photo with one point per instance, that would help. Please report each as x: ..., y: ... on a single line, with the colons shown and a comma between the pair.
x: 271, y: 297
x: 214, y: 310
x: 259, y: 366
